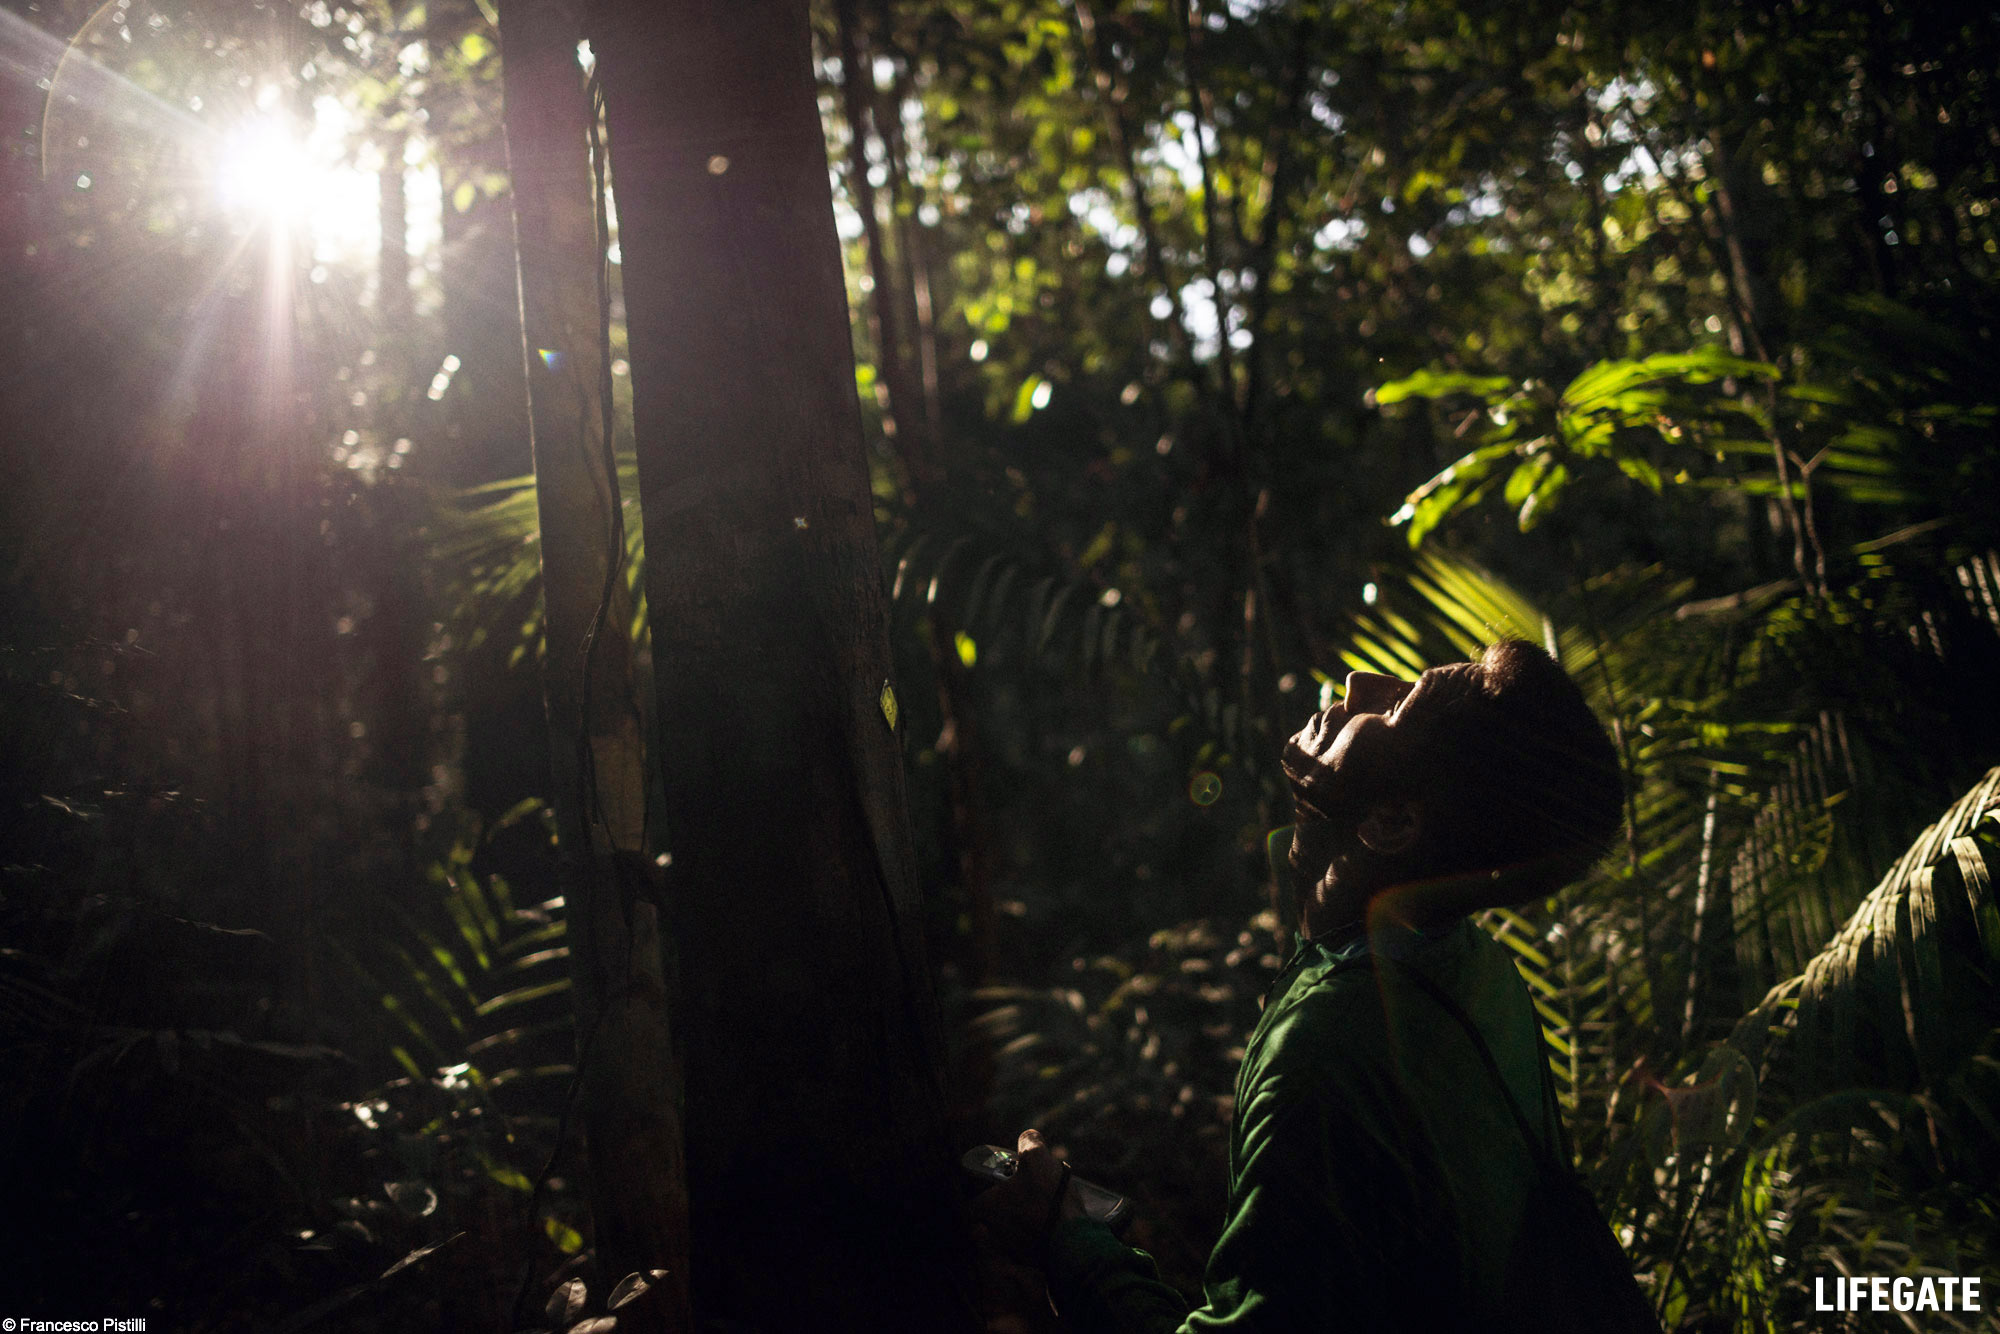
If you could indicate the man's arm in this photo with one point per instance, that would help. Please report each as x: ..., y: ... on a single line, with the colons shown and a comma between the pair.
x: 1316, y: 1228
x: 1098, y: 1282
x: 1101, y: 1284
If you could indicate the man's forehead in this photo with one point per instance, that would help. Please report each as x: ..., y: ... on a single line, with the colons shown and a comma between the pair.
x: 1452, y: 679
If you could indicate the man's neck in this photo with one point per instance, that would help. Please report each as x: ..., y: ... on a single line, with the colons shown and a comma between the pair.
x: 1345, y: 905
x: 1336, y: 911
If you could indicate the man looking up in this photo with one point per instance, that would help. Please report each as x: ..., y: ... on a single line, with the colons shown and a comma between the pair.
x: 1379, y: 1180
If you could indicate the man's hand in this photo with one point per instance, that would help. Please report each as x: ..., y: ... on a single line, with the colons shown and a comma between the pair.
x: 1305, y: 753
x: 1016, y: 1216
x: 1314, y: 753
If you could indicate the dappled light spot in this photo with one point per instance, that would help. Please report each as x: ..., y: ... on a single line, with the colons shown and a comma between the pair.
x: 449, y: 367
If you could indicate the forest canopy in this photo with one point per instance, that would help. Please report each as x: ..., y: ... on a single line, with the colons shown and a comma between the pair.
x: 1204, y: 351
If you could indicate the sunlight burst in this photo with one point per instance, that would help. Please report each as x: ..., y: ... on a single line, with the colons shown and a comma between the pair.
x: 273, y: 171
x: 264, y: 172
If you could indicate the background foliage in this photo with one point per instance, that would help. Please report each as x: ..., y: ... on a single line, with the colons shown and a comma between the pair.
x: 1208, y: 350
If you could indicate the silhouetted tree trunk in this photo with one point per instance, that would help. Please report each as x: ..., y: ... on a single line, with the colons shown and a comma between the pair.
x: 913, y: 425
x: 392, y: 264
x: 820, y: 1174
x: 630, y: 1093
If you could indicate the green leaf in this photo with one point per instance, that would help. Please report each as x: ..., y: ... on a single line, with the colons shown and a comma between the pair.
x: 417, y: 1256
x: 1828, y: 395
x: 513, y: 1179
x: 518, y: 812
x: 1048, y: 626
x: 521, y: 996
x: 980, y: 582
x: 1024, y: 399
x: 1588, y: 438
x: 1544, y: 498
x: 1438, y: 384
x: 1643, y: 472
x: 566, y: 1302
x: 403, y: 1058
x: 1433, y: 511
x: 1599, y: 384
x: 1445, y: 488
x: 1521, y: 482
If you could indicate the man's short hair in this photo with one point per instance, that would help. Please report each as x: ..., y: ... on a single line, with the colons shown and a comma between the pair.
x: 1530, y: 784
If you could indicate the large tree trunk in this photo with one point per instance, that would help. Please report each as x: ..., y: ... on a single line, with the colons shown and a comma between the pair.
x: 820, y: 1174
x: 630, y: 1093
x: 913, y: 425
x: 392, y: 263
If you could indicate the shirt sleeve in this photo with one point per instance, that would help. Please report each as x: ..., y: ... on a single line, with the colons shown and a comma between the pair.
x: 1102, y: 1285
x: 1312, y: 1231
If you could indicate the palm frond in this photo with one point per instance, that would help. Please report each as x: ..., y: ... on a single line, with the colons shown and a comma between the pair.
x: 1872, y: 1076
x: 1902, y: 996
x: 1000, y: 596
x: 486, y: 541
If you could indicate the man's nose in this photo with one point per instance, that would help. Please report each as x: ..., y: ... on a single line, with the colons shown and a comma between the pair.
x: 1370, y: 693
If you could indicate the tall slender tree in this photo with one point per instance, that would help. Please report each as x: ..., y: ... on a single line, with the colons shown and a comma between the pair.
x: 630, y: 1089
x: 820, y: 1173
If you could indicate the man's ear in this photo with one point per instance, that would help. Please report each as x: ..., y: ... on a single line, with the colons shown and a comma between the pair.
x: 1392, y: 828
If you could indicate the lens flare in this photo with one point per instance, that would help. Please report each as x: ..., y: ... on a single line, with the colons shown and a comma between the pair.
x: 263, y: 171
x: 279, y: 170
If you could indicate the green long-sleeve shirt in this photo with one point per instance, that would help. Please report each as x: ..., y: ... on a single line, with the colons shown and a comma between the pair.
x: 1376, y: 1177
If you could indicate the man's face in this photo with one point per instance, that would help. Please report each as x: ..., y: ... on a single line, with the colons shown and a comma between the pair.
x: 1342, y: 760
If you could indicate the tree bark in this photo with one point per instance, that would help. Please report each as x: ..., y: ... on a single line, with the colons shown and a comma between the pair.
x: 630, y: 1091
x: 820, y: 1174
x: 914, y: 406
x: 392, y: 264
x: 914, y: 438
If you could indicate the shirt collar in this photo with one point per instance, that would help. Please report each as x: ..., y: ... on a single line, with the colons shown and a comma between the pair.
x: 1393, y: 942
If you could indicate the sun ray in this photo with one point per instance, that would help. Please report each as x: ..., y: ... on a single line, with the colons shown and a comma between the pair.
x: 96, y: 86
